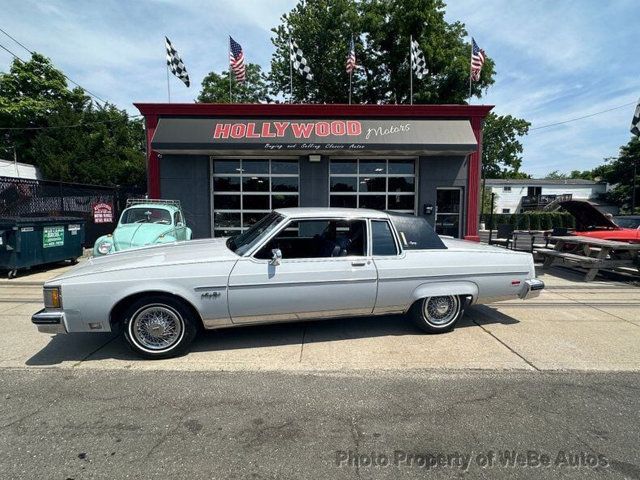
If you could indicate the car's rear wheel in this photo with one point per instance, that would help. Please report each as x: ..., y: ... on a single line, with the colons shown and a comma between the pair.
x: 159, y: 327
x: 437, y: 314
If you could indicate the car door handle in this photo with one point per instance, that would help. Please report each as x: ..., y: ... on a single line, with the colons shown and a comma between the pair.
x: 358, y: 264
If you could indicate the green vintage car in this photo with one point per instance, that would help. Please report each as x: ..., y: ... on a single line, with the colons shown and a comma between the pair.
x: 145, y: 222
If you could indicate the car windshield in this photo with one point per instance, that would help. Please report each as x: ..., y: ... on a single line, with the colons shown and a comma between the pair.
x: 627, y: 222
x: 146, y: 215
x: 242, y: 243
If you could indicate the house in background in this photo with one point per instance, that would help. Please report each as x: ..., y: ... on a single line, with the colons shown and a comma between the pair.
x: 11, y: 169
x: 521, y: 195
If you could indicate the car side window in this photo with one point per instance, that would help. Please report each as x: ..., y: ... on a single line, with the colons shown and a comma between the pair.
x: 177, y: 218
x: 383, y: 242
x: 318, y: 239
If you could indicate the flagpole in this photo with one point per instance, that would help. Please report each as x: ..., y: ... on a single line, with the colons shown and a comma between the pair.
x: 350, y: 83
x: 230, y: 96
x: 410, y: 70
x: 290, y: 72
x: 470, y: 70
x: 168, y: 85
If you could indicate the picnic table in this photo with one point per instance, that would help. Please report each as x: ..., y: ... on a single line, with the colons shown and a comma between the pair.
x: 593, y: 254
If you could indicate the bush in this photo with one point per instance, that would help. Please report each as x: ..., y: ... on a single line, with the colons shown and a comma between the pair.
x: 534, y: 220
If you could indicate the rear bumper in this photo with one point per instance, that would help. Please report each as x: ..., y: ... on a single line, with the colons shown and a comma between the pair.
x: 49, y: 321
x: 531, y: 288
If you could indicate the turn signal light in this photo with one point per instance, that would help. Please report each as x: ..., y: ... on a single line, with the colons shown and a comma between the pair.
x: 52, y: 297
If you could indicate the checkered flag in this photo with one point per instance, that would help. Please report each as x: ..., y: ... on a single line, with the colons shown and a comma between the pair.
x: 175, y: 63
x: 635, y: 123
x: 298, y: 60
x: 418, y: 61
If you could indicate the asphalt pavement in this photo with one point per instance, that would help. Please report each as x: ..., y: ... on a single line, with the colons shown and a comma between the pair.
x: 74, y: 424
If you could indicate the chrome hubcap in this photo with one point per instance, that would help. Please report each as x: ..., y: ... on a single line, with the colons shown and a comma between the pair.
x: 157, y: 327
x: 441, y: 310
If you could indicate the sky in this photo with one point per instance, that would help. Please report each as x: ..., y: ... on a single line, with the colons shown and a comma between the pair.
x: 555, y: 60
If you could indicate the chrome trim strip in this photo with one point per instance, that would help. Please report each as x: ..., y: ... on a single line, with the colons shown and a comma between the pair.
x: 295, y: 284
x: 457, y: 275
x: 214, y: 287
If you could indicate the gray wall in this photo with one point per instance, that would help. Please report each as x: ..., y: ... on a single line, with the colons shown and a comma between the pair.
x: 186, y: 178
x: 314, y: 182
x: 436, y: 172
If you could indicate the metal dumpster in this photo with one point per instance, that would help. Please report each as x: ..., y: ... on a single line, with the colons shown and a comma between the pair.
x: 26, y: 242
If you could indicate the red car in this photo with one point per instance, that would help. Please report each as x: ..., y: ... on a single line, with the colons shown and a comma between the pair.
x: 591, y: 222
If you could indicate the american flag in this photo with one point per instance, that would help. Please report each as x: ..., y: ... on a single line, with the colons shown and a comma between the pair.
x: 236, y: 60
x: 477, y: 60
x: 351, y: 58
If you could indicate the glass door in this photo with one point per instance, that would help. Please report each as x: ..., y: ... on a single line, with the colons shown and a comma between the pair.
x: 448, y: 214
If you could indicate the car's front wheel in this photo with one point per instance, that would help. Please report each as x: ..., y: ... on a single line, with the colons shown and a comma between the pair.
x: 437, y: 314
x: 159, y: 327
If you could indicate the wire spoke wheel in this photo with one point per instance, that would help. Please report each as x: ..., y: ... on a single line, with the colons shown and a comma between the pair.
x: 440, y: 311
x: 157, y: 327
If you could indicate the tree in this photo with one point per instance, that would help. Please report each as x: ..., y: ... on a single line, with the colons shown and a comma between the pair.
x: 575, y: 174
x: 215, y: 87
x: 382, y: 28
x: 63, y: 133
x: 29, y: 94
x: 107, y: 150
x: 619, y: 173
x: 501, y: 147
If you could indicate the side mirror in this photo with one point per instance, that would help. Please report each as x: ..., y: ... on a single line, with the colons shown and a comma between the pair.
x: 276, y: 257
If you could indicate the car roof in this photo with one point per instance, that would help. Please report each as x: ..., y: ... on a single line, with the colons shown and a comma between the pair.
x: 313, y: 212
x: 153, y: 205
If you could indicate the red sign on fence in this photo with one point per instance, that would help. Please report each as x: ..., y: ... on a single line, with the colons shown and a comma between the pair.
x: 102, y: 213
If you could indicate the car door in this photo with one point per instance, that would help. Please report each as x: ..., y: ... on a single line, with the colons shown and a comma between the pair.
x: 314, y: 279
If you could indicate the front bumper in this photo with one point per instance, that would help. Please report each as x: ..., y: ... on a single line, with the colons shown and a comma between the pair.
x: 531, y: 288
x: 49, y: 321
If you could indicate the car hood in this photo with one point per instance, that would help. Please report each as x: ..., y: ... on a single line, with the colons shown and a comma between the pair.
x: 194, y: 251
x: 587, y: 216
x: 138, y: 234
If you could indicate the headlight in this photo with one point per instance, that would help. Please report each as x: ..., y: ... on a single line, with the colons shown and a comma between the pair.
x: 52, y: 297
x: 104, y: 248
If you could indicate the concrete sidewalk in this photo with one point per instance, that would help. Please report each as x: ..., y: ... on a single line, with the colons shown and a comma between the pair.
x: 571, y: 326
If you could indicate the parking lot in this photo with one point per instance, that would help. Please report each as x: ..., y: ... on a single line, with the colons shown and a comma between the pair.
x: 572, y: 326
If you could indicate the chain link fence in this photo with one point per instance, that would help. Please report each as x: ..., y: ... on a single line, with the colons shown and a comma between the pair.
x: 36, y: 198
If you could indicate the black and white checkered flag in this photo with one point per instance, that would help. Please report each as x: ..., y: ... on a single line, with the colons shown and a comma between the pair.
x: 635, y: 123
x: 175, y: 63
x: 298, y: 60
x: 418, y: 61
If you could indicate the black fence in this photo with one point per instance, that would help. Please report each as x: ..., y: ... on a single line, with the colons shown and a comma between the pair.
x: 99, y: 206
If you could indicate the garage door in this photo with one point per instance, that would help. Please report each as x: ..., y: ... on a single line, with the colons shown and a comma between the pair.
x: 245, y: 190
x: 378, y: 183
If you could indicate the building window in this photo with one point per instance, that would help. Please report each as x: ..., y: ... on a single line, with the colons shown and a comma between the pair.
x: 381, y: 184
x: 506, y: 189
x: 506, y: 210
x: 245, y: 190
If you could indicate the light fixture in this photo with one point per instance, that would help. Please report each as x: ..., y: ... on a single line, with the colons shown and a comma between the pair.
x: 314, y: 158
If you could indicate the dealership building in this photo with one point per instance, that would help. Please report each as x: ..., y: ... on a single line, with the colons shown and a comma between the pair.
x: 230, y: 164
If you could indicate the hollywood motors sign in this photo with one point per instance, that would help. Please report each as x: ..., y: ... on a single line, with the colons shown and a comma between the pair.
x: 288, y: 130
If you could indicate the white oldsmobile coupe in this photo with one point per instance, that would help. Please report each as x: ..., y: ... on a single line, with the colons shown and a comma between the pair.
x: 294, y: 264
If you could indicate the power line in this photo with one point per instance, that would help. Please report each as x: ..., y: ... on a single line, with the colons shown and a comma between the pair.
x: 77, y: 125
x: 583, y: 117
x: 33, y: 53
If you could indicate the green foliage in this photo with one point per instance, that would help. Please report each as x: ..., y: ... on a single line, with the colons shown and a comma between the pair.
x: 215, y: 87
x: 103, y: 145
x: 323, y: 30
x: 501, y: 147
x: 107, y: 151
x: 534, y: 221
x: 585, y: 175
x: 619, y: 173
